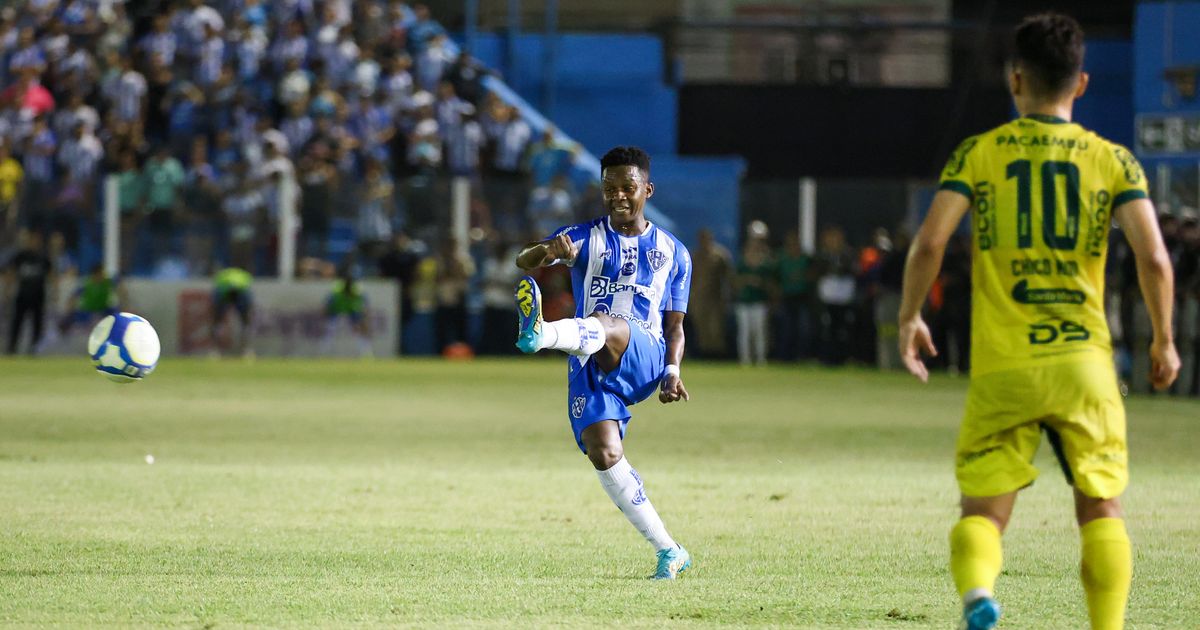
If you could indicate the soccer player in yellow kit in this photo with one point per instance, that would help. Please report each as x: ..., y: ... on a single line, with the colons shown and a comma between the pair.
x: 1042, y: 192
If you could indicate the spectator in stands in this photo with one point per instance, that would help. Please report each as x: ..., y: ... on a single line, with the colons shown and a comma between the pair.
x: 551, y: 206
x: 464, y: 142
x: 77, y: 73
x: 298, y: 127
x: 160, y: 44
x: 243, y: 207
x: 835, y: 268
x: 548, y: 158
x: 202, y: 207
x: 28, y: 278
x: 400, y: 263
x: 12, y: 178
x: 506, y: 189
x: 75, y: 111
x: 795, y: 321
x: 162, y: 181
x: 28, y: 59
x: 421, y: 191
x: 318, y: 185
x: 376, y: 212
x: 952, y: 325
x: 887, y: 303
x: 290, y: 48
x: 755, y: 283
x: 449, y: 108
x: 1188, y: 297
x: 129, y: 203
x: 185, y: 117
x: 38, y: 165
x: 466, y: 75
x: 422, y: 29
x: 454, y: 272
x: 128, y: 95
x: 499, y: 318
x: 79, y: 159
x: 712, y: 290
x: 864, y: 335
x: 432, y: 62
x: 211, y: 56
x: 397, y: 81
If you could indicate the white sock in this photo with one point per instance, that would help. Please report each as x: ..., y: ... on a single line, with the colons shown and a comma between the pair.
x: 581, y: 336
x: 975, y: 594
x: 624, y: 487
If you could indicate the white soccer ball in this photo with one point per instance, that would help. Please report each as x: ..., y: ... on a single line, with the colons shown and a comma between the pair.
x: 124, y: 348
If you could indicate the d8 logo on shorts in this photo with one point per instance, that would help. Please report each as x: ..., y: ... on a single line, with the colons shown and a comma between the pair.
x: 577, y: 407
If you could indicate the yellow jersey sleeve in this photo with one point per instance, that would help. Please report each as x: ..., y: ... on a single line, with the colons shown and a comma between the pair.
x: 1127, y: 177
x: 960, y: 173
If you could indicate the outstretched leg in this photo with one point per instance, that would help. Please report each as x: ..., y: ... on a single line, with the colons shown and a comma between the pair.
x: 1107, y: 562
x: 976, y: 556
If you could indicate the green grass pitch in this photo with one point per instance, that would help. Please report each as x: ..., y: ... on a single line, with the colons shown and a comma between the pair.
x: 435, y: 494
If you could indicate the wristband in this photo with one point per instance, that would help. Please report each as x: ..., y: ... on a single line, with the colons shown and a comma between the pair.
x: 673, y: 370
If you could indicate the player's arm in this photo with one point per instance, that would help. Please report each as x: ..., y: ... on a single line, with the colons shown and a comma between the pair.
x: 548, y: 252
x: 1157, y: 281
x: 671, y: 388
x: 920, y: 270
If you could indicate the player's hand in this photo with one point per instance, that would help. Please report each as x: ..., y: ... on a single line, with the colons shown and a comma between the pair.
x: 1164, y: 364
x: 914, y: 339
x: 559, y: 248
x: 671, y: 389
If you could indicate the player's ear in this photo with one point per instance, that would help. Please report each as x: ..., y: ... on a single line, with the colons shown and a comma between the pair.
x: 649, y: 189
x: 1083, y: 84
x: 1014, y: 81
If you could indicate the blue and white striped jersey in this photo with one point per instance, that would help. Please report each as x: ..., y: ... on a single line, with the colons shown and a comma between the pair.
x: 635, y: 278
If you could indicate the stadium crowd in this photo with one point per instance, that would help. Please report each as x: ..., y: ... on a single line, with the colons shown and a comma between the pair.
x: 205, y: 110
x: 839, y: 305
x: 202, y: 108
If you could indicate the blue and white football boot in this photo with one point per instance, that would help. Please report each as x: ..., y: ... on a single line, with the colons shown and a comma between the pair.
x: 671, y: 562
x: 980, y: 614
x: 529, y: 315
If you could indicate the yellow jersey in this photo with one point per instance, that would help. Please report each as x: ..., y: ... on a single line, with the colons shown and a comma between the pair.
x: 1042, y: 193
x: 11, y: 175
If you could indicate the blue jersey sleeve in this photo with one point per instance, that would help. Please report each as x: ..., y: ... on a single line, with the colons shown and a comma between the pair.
x: 578, y: 234
x: 680, y: 284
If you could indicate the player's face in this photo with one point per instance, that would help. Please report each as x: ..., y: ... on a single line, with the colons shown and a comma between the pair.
x: 625, y: 189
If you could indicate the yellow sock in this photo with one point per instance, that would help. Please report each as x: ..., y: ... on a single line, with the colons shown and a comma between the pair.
x: 975, y: 555
x: 1107, y: 569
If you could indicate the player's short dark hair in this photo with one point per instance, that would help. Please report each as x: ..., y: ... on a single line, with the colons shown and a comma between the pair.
x: 626, y: 156
x: 1048, y: 47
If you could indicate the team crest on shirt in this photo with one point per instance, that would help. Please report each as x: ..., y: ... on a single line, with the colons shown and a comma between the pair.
x: 577, y: 407
x: 657, y: 259
x: 628, y: 261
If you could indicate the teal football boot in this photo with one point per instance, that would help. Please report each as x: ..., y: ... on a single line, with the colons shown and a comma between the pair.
x: 529, y: 315
x: 981, y: 614
x: 672, y: 562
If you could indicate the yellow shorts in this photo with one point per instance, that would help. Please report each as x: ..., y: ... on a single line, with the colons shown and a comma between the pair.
x: 1079, y: 407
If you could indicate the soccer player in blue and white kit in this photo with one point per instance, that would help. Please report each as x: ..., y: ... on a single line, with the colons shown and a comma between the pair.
x: 631, y: 281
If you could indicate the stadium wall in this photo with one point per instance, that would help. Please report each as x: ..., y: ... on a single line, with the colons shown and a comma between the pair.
x: 289, y: 318
x: 609, y: 89
x: 1165, y: 39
